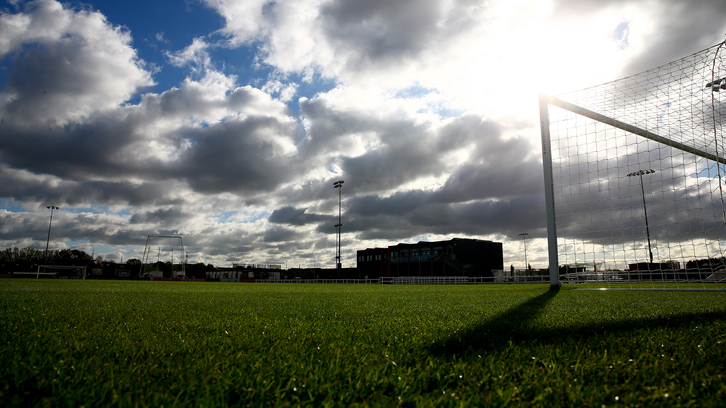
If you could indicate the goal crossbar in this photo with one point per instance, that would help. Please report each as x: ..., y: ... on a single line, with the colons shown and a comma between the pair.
x: 628, y: 127
x: 72, y: 267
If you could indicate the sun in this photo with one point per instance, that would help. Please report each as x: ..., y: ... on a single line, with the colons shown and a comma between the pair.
x: 525, y: 51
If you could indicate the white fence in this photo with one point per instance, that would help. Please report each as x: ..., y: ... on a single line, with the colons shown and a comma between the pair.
x: 417, y: 280
x: 322, y: 281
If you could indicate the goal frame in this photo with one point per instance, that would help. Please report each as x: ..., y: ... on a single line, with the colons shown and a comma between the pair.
x: 547, y: 157
x: 147, y: 253
x: 76, y: 267
x: 549, y: 193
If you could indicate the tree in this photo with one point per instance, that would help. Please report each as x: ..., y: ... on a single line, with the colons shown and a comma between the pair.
x: 31, y: 255
x: 27, y: 259
x: 197, y: 270
x: 134, y: 266
x: 70, y: 257
x: 10, y: 255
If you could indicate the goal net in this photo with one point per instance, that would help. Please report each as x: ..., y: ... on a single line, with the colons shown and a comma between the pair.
x: 60, y: 271
x: 164, y: 257
x: 634, y: 178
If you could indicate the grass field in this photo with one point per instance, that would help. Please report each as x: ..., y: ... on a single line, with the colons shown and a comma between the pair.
x: 92, y: 343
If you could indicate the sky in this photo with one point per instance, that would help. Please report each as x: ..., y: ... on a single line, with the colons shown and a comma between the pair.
x: 227, y: 122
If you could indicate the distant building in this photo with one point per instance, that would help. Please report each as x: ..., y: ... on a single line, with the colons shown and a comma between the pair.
x: 455, y: 257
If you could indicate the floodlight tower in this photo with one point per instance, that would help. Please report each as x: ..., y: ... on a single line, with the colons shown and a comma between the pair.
x: 51, y: 208
x: 642, y: 190
x: 339, y: 186
x: 524, y: 238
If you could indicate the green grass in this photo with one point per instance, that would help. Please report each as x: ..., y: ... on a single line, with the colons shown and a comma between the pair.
x: 92, y: 343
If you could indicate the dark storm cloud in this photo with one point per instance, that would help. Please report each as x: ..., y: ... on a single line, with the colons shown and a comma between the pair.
x: 24, y: 187
x: 171, y: 215
x: 219, y: 242
x: 21, y: 225
x: 78, y: 151
x: 386, y: 32
x: 97, y: 228
x: 398, y: 204
x: 297, y: 248
x: 296, y: 216
x: 281, y: 234
x: 501, y: 181
x: 237, y: 156
x: 259, y: 247
x: 497, y: 217
x: 330, y: 129
x: 390, y: 167
x: 681, y: 27
x: 418, y: 214
x: 407, y: 151
x: 495, y: 167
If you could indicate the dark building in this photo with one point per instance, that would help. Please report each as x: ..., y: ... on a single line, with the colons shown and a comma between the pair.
x: 455, y: 257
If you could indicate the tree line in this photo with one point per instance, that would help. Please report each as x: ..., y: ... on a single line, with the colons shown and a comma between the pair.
x: 28, y: 259
x: 39, y: 256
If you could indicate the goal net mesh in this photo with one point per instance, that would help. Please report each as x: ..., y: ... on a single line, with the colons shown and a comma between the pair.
x: 637, y: 176
x: 163, y: 250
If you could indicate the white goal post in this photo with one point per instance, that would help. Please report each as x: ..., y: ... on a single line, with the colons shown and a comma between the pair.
x: 173, y: 250
x: 71, y: 267
x: 634, y: 174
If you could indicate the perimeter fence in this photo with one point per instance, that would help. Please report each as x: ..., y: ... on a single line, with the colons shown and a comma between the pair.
x: 416, y: 280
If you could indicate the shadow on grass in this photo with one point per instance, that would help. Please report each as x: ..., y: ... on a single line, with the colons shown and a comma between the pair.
x: 515, y: 326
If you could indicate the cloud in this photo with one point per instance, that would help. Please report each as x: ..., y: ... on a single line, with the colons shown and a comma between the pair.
x: 238, y: 156
x: 65, y: 65
x: 195, y: 55
x: 383, y: 33
x: 109, y: 229
x: 296, y: 216
x: 160, y: 38
x: 212, y: 137
x: 285, y: 91
x: 281, y: 234
x: 660, y: 31
x: 29, y: 189
x: 417, y: 213
x: 171, y: 215
x: 245, y: 21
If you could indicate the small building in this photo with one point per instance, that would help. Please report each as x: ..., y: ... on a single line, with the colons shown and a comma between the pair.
x: 455, y: 257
